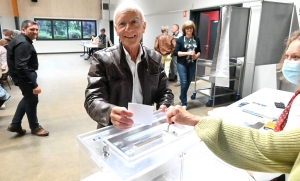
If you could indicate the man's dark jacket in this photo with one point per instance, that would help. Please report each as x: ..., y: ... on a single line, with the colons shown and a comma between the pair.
x: 110, y: 82
x: 22, y: 60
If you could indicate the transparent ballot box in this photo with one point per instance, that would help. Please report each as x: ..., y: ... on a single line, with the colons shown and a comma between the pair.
x: 143, y: 152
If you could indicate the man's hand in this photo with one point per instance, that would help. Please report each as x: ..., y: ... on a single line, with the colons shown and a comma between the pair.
x: 37, y: 90
x: 163, y: 107
x: 120, y: 118
x: 179, y: 115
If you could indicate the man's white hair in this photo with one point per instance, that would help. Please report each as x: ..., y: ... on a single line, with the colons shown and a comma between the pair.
x: 5, y: 30
x: 131, y: 6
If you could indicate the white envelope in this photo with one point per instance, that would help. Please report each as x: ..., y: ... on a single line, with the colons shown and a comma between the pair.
x: 142, y: 114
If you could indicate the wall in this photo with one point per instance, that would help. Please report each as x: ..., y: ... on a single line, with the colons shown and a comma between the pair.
x: 159, y: 6
x: 158, y: 12
x: 154, y: 23
x: 60, y: 9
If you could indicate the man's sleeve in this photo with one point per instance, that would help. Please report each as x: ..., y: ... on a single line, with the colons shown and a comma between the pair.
x: 198, y: 49
x: 164, y: 95
x: 22, y: 55
x: 156, y: 45
x: 96, y: 93
x: 173, y: 41
x: 177, y: 47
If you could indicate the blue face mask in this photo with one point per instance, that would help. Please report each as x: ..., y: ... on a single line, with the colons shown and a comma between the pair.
x: 291, y: 71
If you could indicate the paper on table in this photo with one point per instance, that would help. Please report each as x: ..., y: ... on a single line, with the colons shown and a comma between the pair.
x: 142, y: 114
x: 235, y: 116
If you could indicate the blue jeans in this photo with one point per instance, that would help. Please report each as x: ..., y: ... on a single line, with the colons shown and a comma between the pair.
x: 186, y: 73
x: 28, y: 105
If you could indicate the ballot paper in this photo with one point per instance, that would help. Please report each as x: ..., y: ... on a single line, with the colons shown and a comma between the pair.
x: 142, y: 114
x: 235, y: 116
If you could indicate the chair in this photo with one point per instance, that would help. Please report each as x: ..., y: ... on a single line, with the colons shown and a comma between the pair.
x: 4, y: 76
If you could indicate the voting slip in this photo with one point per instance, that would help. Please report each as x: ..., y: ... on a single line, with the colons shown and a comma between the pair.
x: 142, y: 114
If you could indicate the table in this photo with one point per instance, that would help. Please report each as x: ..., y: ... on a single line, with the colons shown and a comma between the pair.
x: 233, y: 114
x: 86, y: 47
x: 197, y: 161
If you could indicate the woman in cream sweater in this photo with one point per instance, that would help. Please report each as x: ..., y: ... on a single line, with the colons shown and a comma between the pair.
x: 245, y: 147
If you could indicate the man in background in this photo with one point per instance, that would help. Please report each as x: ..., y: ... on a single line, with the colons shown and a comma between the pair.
x: 11, y: 34
x: 165, y: 45
x: 23, y: 62
x: 102, y: 40
x: 176, y: 35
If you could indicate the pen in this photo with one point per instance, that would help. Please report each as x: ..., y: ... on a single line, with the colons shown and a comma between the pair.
x: 259, y: 104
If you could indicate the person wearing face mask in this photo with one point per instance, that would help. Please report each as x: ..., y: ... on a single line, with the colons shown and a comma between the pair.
x: 244, y: 147
x: 289, y: 65
x: 129, y: 72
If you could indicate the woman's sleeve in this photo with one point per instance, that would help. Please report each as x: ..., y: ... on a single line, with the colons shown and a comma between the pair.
x: 251, y: 149
x: 177, y: 47
x: 198, y: 49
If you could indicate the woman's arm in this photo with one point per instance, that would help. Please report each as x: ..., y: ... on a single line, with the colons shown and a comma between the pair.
x: 178, y: 51
x: 248, y: 148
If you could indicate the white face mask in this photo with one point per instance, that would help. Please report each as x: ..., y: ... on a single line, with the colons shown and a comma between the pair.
x: 291, y: 71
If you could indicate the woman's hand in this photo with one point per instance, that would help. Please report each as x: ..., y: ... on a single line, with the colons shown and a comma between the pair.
x: 179, y: 115
x: 195, y: 56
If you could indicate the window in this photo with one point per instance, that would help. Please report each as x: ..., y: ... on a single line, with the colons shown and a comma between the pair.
x: 60, y: 29
x: 65, y: 29
x: 89, y: 29
x: 45, y: 30
x: 74, y: 30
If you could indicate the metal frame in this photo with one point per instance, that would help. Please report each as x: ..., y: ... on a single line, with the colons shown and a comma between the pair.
x: 214, y: 89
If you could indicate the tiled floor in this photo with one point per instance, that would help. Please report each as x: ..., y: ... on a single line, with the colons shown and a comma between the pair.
x: 60, y: 111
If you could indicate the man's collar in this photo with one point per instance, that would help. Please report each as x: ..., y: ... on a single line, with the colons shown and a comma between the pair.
x: 27, y: 38
x: 140, y: 54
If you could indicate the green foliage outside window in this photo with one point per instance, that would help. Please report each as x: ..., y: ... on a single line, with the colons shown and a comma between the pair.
x: 45, y: 30
x: 74, y: 29
x: 60, y: 29
x: 89, y: 29
x: 63, y: 29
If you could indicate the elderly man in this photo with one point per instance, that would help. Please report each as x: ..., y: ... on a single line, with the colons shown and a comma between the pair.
x: 11, y: 34
x: 165, y: 45
x: 125, y: 73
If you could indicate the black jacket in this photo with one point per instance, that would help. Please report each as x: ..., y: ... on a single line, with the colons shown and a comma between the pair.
x: 22, y: 60
x: 180, y: 47
x: 110, y: 82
